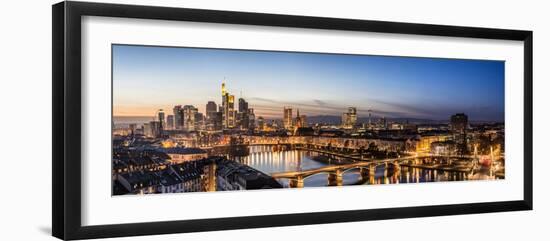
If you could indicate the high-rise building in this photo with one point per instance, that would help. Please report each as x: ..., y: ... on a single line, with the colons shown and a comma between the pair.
x: 238, y: 119
x: 152, y: 129
x: 352, y: 115
x: 178, y: 117
x: 228, y: 105
x: 199, y: 121
x: 251, y: 119
x: 170, y: 122
x: 459, y: 127
x: 287, y: 118
x: 211, y: 107
x: 459, y: 122
x: 217, y: 121
x: 242, y: 120
x: 232, y: 112
x: 349, y: 119
x: 161, y: 120
x: 211, y: 113
x: 189, y: 115
x: 243, y: 105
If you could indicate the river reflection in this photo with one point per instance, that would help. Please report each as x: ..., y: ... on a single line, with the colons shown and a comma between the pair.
x: 269, y: 160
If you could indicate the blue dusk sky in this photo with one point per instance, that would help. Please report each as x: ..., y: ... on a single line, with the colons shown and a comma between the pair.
x: 147, y: 78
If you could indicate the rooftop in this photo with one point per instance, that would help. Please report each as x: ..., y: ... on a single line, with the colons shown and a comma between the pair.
x: 184, y: 151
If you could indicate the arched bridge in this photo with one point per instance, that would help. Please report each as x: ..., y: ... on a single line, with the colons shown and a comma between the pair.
x: 366, y: 169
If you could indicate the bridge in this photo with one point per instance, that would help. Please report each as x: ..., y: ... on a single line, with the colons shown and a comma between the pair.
x: 366, y: 169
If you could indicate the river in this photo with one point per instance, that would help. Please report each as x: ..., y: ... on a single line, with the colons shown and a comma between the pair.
x: 268, y: 160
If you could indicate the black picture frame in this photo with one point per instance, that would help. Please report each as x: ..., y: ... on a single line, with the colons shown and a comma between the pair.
x: 66, y: 127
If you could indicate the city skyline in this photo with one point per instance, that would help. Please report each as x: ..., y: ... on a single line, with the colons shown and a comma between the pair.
x: 246, y: 120
x: 146, y: 79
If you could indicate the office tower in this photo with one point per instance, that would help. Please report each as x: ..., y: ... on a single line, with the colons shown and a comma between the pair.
x: 242, y: 116
x: 161, y: 120
x: 211, y: 107
x: 151, y: 129
x: 459, y: 122
x: 178, y: 117
x: 243, y: 105
x: 200, y: 121
x: 459, y: 127
x: 225, y: 106
x: 218, y: 125
x: 232, y: 112
x: 170, y: 122
x: 210, y: 118
x: 287, y: 118
x: 189, y: 115
x: 251, y: 119
x: 228, y: 107
x: 349, y: 119
x: 352, y: 111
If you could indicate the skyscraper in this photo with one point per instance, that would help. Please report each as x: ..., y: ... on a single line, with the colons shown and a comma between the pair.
x: 459, y: 127
x: 228, y: 105
x: 199, y: 121
x: 211, y: 111
x: 225, y: 107
x: 242, y: 115
x: 232, y: 113
x: 211, y: 107
x: 251, y: 119
x: 287, y: 118
x: 459, y: 122
x: 349, y: 119
x: 178, y: 117
x: 151, y: 129
x: 217, y: 121
x: 243, y: 105
x: 170, y: 122
x: 161, y: 120
x: 189, y: 115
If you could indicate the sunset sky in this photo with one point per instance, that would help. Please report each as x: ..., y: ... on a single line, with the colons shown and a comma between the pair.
x: 146, y: 79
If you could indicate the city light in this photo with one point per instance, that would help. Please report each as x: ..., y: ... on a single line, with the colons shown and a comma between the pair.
x: 299, y: 120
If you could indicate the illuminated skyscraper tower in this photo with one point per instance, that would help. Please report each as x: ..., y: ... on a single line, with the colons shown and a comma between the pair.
x: 189, y: 117
x: 162, y: 122
x: 287, y: 118
x: 178, y: 117
x: 228, y: 106
x: 349, y: 119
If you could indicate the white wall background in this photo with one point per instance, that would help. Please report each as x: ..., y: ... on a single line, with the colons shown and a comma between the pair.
x: 25, y: 133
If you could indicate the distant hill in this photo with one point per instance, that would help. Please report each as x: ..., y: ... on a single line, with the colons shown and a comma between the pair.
x: 331, y: 119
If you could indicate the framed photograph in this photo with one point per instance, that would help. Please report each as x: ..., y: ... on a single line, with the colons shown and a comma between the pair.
x: 169, y: 120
